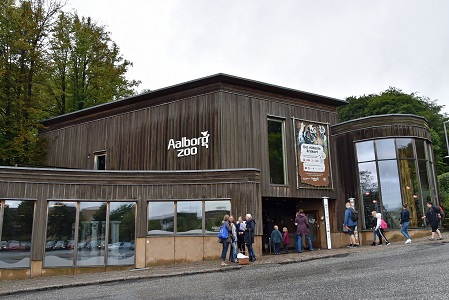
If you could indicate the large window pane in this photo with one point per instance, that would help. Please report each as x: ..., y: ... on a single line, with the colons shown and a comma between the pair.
x: 276, y: 151
x: 391, y: 192
x: 60, y: 242
x: 420, y: 149
x: 91, y: 233
x: 385, y: 149
x: 369, y: 188
x: 410, y: 191
x: 16, y: 233
x: 405, y: 148
x: 189, y: 217
x: 161, y: 217
x: 365, y: 151
x: 121, y: 241
x: 214, y: 213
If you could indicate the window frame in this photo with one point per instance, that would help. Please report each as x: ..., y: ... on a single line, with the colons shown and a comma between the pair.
x: 284, y: 147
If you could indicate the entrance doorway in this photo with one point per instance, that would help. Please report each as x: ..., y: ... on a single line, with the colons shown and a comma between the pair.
x: 282, y: 212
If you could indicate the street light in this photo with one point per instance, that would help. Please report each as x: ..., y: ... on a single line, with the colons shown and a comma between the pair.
x: 446, y: 158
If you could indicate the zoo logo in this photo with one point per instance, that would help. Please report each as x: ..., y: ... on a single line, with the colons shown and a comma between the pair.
x: 187, y: 147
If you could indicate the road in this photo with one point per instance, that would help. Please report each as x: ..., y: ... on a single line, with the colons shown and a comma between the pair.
x: 415, y: 271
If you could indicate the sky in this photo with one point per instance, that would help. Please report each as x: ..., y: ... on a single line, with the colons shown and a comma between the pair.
x: 332, y: 48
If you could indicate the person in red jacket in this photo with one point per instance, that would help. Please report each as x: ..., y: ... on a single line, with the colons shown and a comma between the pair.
x: 286, y: 239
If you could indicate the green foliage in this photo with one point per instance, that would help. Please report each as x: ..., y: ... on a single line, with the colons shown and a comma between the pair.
x: 443, y: 183
x: 394, y: 101
x: 51, y: 63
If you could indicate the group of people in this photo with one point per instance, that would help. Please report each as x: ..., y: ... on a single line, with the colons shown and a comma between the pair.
x: 433, y: 216
x: 240, y: 234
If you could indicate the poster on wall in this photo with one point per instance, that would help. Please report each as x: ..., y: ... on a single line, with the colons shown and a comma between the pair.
x: 312, y: 154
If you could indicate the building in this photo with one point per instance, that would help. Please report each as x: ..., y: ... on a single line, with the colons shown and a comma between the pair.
x: 146, y: 180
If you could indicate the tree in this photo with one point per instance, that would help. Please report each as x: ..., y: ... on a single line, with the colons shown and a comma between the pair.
x: 394, y: 101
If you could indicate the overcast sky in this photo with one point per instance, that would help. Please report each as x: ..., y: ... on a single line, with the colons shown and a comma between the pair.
x: 333, y: 48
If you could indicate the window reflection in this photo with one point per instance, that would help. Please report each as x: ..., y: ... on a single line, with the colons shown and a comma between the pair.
x: 385, y: 149
x: 391, y: 192
x: 161, y: 217
x: 214, y: 212
x: 369, y: 188
x: 405, y: 148
x: 16, y: 233
x: 365, y: 151
x: 189, y: 216
x: 410, y: 191
x: 121, y: 241
x: 420, y: 149
x: 60, y: 241
x: 91, y: 233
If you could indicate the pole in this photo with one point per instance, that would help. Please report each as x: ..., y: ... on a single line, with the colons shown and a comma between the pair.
x: 327, y: 222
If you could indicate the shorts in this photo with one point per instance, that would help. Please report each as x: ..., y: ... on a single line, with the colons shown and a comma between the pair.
x: 434, y: 227
x: 351, y: 230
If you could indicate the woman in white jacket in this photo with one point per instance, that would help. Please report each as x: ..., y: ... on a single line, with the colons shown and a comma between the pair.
x: 379, y: 230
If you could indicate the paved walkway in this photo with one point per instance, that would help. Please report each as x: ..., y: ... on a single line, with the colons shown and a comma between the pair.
x: 8, y: 287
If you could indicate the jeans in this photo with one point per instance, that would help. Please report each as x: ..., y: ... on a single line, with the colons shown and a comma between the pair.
x: 309, y: 242
x: 296, y: 241
x: 404, y: 230
x: 250, y: 250
x: 277, y: 248
x: 374, y: 237
x: 233, y: 252
x: 225, y: 250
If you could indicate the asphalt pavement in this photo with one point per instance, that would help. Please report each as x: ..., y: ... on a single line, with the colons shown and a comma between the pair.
x: 13, y: 287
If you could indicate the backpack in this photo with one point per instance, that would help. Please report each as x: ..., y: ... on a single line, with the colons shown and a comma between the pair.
x: 354, y: 215
x: 442, y: 213
x: 223, y: 233
x: 383, y: 224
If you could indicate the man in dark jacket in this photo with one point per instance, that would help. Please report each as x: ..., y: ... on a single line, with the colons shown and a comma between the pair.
x: 405, y: 222
x: 433, y: 216
x: 249, y: 237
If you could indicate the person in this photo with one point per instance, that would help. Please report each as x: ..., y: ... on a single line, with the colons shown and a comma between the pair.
x: 226, y: 241
x: 350, y: 225
x: 295, y: 236
x: 249, y: 237
x: 380, y: 231
x: 286, y: 239
x: 233, y: 252
x: 303, y: 230
x: 405, y: 222
x: 373, y: 225
x: 433, y: 215
x: 276, y: 238
x: 241, y: 226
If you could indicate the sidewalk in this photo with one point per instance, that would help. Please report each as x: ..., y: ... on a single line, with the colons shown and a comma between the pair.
x: 9, y: 287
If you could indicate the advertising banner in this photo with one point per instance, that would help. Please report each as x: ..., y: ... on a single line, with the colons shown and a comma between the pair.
x: 312, y: 154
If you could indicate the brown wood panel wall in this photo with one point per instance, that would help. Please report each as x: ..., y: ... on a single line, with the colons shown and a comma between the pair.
x: 241, y: 186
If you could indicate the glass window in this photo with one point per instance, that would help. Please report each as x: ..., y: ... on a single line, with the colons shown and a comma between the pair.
x: 385, y: 149
x: 420, y: 151
x: 369, y: 188
x: 410, y: 191
x: 121, y: 241
x: 100, y: 161
x: 214, y: 213
x: 391, y: 199
x: 276, y: 151
x: 60, y: 241
x: 405, y: 148
x: 189, y: 217
x: 365, y: 151
x: 16, y: 232
x: 91, y: 233
x: 161, y: 217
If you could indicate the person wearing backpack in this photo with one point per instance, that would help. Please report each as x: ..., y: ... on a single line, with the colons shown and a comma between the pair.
x: 381, y: 225
x: 350, y: 224
x: 405, y: 222
x: 225, y: 236
x: 433, y: 215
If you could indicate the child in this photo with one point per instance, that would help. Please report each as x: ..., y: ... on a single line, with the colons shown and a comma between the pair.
x: 276, y: 238
x: 286, y: 239
x: 380, y: 230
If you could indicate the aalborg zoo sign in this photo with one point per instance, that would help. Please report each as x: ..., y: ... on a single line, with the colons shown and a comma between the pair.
x: 188, y: 147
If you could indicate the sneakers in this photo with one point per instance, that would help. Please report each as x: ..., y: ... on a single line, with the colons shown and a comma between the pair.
x: 379, y: 244
x: 373, y: 244
x: 408, y: 241
x: 439, y: 239
x: 387, y: 244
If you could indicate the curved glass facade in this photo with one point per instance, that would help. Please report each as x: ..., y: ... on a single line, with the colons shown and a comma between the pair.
x: 394, y: 171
